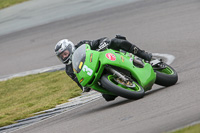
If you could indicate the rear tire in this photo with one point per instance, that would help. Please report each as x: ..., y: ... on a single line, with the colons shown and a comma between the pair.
x: 120, y: 90
x: 167, y: 76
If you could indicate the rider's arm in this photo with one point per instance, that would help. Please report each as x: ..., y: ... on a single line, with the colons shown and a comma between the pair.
x: 119, y: 42
x: 93, y: 44
x: 83, y: 42
x: 70, y: 73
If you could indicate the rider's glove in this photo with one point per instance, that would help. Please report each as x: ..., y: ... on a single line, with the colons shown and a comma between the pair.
x: 104, y: 44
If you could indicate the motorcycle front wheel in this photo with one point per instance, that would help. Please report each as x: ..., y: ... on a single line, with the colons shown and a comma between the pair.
x: 131, y: 91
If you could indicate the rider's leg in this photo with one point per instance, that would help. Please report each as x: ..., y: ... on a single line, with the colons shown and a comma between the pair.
x: 129, y: 47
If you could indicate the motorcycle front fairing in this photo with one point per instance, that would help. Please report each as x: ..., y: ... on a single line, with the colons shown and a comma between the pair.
x: 88, y: 68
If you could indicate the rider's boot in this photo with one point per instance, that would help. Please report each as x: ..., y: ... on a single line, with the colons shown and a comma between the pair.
x: 109, y: 97
x: 142, y: 54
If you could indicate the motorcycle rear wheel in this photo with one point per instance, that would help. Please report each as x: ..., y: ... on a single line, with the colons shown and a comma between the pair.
x: 166, y: 76
x: 118, y: 89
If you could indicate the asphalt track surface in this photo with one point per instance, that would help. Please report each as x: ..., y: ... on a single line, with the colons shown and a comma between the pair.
x: 158, y: 26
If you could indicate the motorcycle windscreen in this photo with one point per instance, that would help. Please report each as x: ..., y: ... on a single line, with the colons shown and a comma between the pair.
x: 78, y: 58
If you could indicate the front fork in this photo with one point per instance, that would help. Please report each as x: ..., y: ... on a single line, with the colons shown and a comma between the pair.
x: 116, y: 73
x: 121, y: 79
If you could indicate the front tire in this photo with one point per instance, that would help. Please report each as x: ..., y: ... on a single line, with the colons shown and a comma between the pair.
x: 109, y: 83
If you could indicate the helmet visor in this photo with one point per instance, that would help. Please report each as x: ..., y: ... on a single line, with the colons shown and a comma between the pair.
x: 64, y: 56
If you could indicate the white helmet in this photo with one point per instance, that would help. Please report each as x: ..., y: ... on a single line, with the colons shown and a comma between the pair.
x: 64, y: 50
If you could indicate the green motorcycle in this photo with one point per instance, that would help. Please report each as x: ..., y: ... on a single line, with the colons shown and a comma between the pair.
x: 119, y: 73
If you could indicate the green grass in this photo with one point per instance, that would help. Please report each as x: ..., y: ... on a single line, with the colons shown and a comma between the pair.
x: 7, y: 3
x: 189, y: 129
x: 22, y: 97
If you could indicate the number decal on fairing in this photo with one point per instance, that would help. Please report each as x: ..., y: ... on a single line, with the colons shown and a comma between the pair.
x: 88, y: 70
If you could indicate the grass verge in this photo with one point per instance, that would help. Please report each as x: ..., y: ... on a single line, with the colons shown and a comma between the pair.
x: 7, y: 3
x: 189, y: 129
x: 23, y: 96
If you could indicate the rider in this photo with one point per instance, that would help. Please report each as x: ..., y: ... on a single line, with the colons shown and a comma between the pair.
x: 65, y: 48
